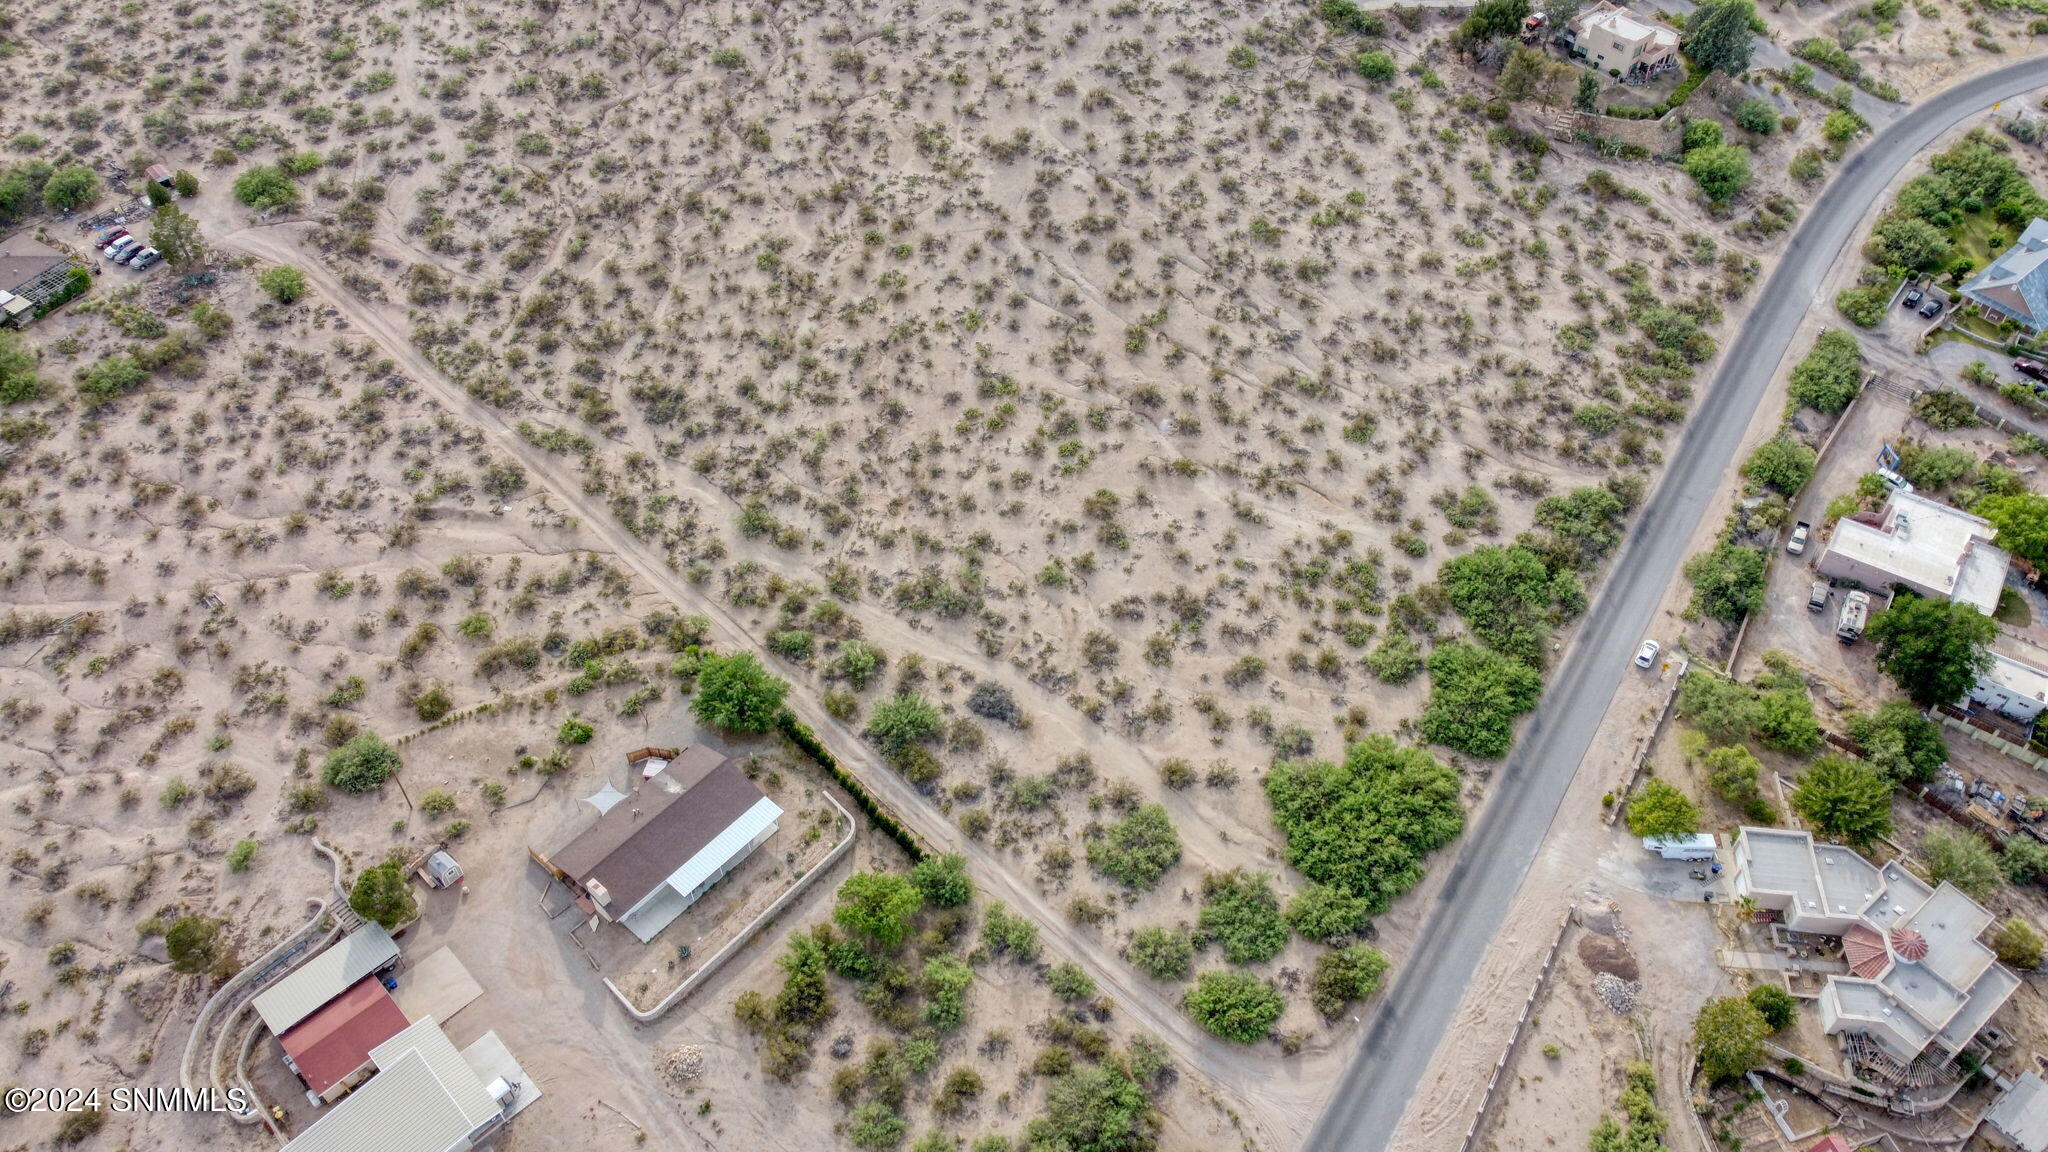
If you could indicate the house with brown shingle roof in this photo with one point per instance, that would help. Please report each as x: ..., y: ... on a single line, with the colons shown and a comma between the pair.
x: 689, y: 820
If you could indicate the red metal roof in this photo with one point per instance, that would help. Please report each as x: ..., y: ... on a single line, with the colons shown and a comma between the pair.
x: 1831, y: 1143
x: 331, y: 1044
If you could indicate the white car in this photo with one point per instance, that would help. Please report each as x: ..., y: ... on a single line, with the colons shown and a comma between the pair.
x: 121, y: 249
x: 1646, y: 656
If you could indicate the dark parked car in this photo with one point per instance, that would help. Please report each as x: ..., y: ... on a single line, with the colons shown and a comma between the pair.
x: 1912, y: 298
x: 1931, y: 308
x: 2034, y: 368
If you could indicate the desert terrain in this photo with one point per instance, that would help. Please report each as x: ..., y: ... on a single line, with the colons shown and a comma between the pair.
x: 1105, y: 388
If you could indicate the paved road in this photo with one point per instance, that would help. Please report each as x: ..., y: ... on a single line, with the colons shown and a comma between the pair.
x: 1370, y: 1099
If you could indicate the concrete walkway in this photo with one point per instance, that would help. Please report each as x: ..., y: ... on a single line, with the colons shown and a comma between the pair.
x: 1775, y: 962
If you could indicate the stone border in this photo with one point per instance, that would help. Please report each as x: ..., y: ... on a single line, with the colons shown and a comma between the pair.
x: 746, y: 934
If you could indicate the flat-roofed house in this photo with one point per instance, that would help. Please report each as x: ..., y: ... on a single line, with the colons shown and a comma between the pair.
x: 654, y: 852
x: 1616, y: 39
x: 1919, y: 978
x: 2012, y: 688
x: 1935, y: 550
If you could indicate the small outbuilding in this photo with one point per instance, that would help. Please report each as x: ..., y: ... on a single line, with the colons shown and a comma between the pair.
x: 2018, y: 1119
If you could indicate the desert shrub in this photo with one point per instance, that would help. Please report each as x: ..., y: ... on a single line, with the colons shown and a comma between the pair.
x: 1397, y: 659
x: 2024, y: 859
x: 2017, y: 944
x: 736, y: 694
x: 241, y: 855
x: 1162, y: 953
x: 1721, y: 170
x: 361, y: 765
x: 1758, y: 115
x: 1474, y: 697
x: 992, y: 701
x: 879, y: 906
x: 1727, y: 582
x: 1240, y: 912
x: 111, y: 378
x: 946, y: 981
x: 1831, y: 374
x: 264, y: 187
x: 943, y: 880
x: 193, y: 943
x: 1732, y: 774
x: 857, y: 662
x: 1781, y: 464
x: 1363, y: 827
x: 1320, y: 912
x: 1137, y: 850
x: 1961, y: 858
x: 1863, y: 305
x: 383, y: 893
x: 903, y: 720
x: 1235, y: 1005
x: 1095, y: 1106
x: 575, y: 730
x: 1586, y: 520
x: 19, y: 381
x: 284, y: 283
x: 1344, y: 976
x: 1505, y: 596
x: 1007, y: 934
x: 1069, y: 982
x: 437, y: 802
x: 1376, y: 66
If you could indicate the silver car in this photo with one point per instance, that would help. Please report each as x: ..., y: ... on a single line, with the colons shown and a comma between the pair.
x: 144, y: 258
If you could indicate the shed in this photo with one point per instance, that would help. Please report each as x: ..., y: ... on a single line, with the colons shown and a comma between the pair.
x: 159, y: 174
x: 440, y: 870
x: 311, y: 985
x: 330, y: 1050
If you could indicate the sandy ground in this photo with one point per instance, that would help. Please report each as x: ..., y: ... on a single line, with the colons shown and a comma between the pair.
x: 733, y: 310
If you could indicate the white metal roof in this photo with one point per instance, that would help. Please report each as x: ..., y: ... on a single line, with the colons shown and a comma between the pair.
x: 325, y: 976
x: 424, y: 1098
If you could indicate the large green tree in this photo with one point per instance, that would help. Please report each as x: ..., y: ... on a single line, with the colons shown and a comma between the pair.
x: 879, y: 906
x: 1660, y: 809
x: 1900, y: 741
x: 736, y: 694
x: 1961, y: 858
x: 1845, y: 800
x: 1728, y: 582
x: 175, y: 233
x: 1934, y: 649
x: 1475, y: 696
x: 71, y: 187
x: 1720, y: 34
x: 1504, y: 594
x: 2022, y: 522
x: 193, y: 943
x: 1364, y: 826
x: 1729, y: 1036
x: 383, y: 893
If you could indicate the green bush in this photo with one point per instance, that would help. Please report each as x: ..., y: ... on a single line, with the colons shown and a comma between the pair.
x: 383, y: 893
x: 1863, y: 306
x: 265, y: 187
x: 361, y: 765
x: 1845, y: 800
x: 240, y: 855
x: 1728, y: 582
x: 1659, y: 809
x: 1375, y: 66
x: 1721, y: 170
x: 71, y: 187
x: 19, y: 380
x: 1240, y: 912
x: 1162, y: 953
x: 1776, y: 1005
x: 1363, y: 827
x: 1831, y: 374
x: 903, y: 720
x: 736, y: 694
x: 1474, y: 698
x: 286, y: 285
x: 1757, y: 115
x: 1235, y: 1005
x: 1344, y: 976
x: 575, y: 730
x: 1137, y: 850
x: 1320, y: 912
x: 1782, y: 464
x: 112, y: 378
x: 943, y: 880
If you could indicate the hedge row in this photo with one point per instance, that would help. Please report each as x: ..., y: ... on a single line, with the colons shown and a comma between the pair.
x: 806, y: 740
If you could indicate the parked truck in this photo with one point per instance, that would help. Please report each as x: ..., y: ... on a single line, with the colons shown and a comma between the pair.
x: 1855, y: 614
x: 1797, y: 543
